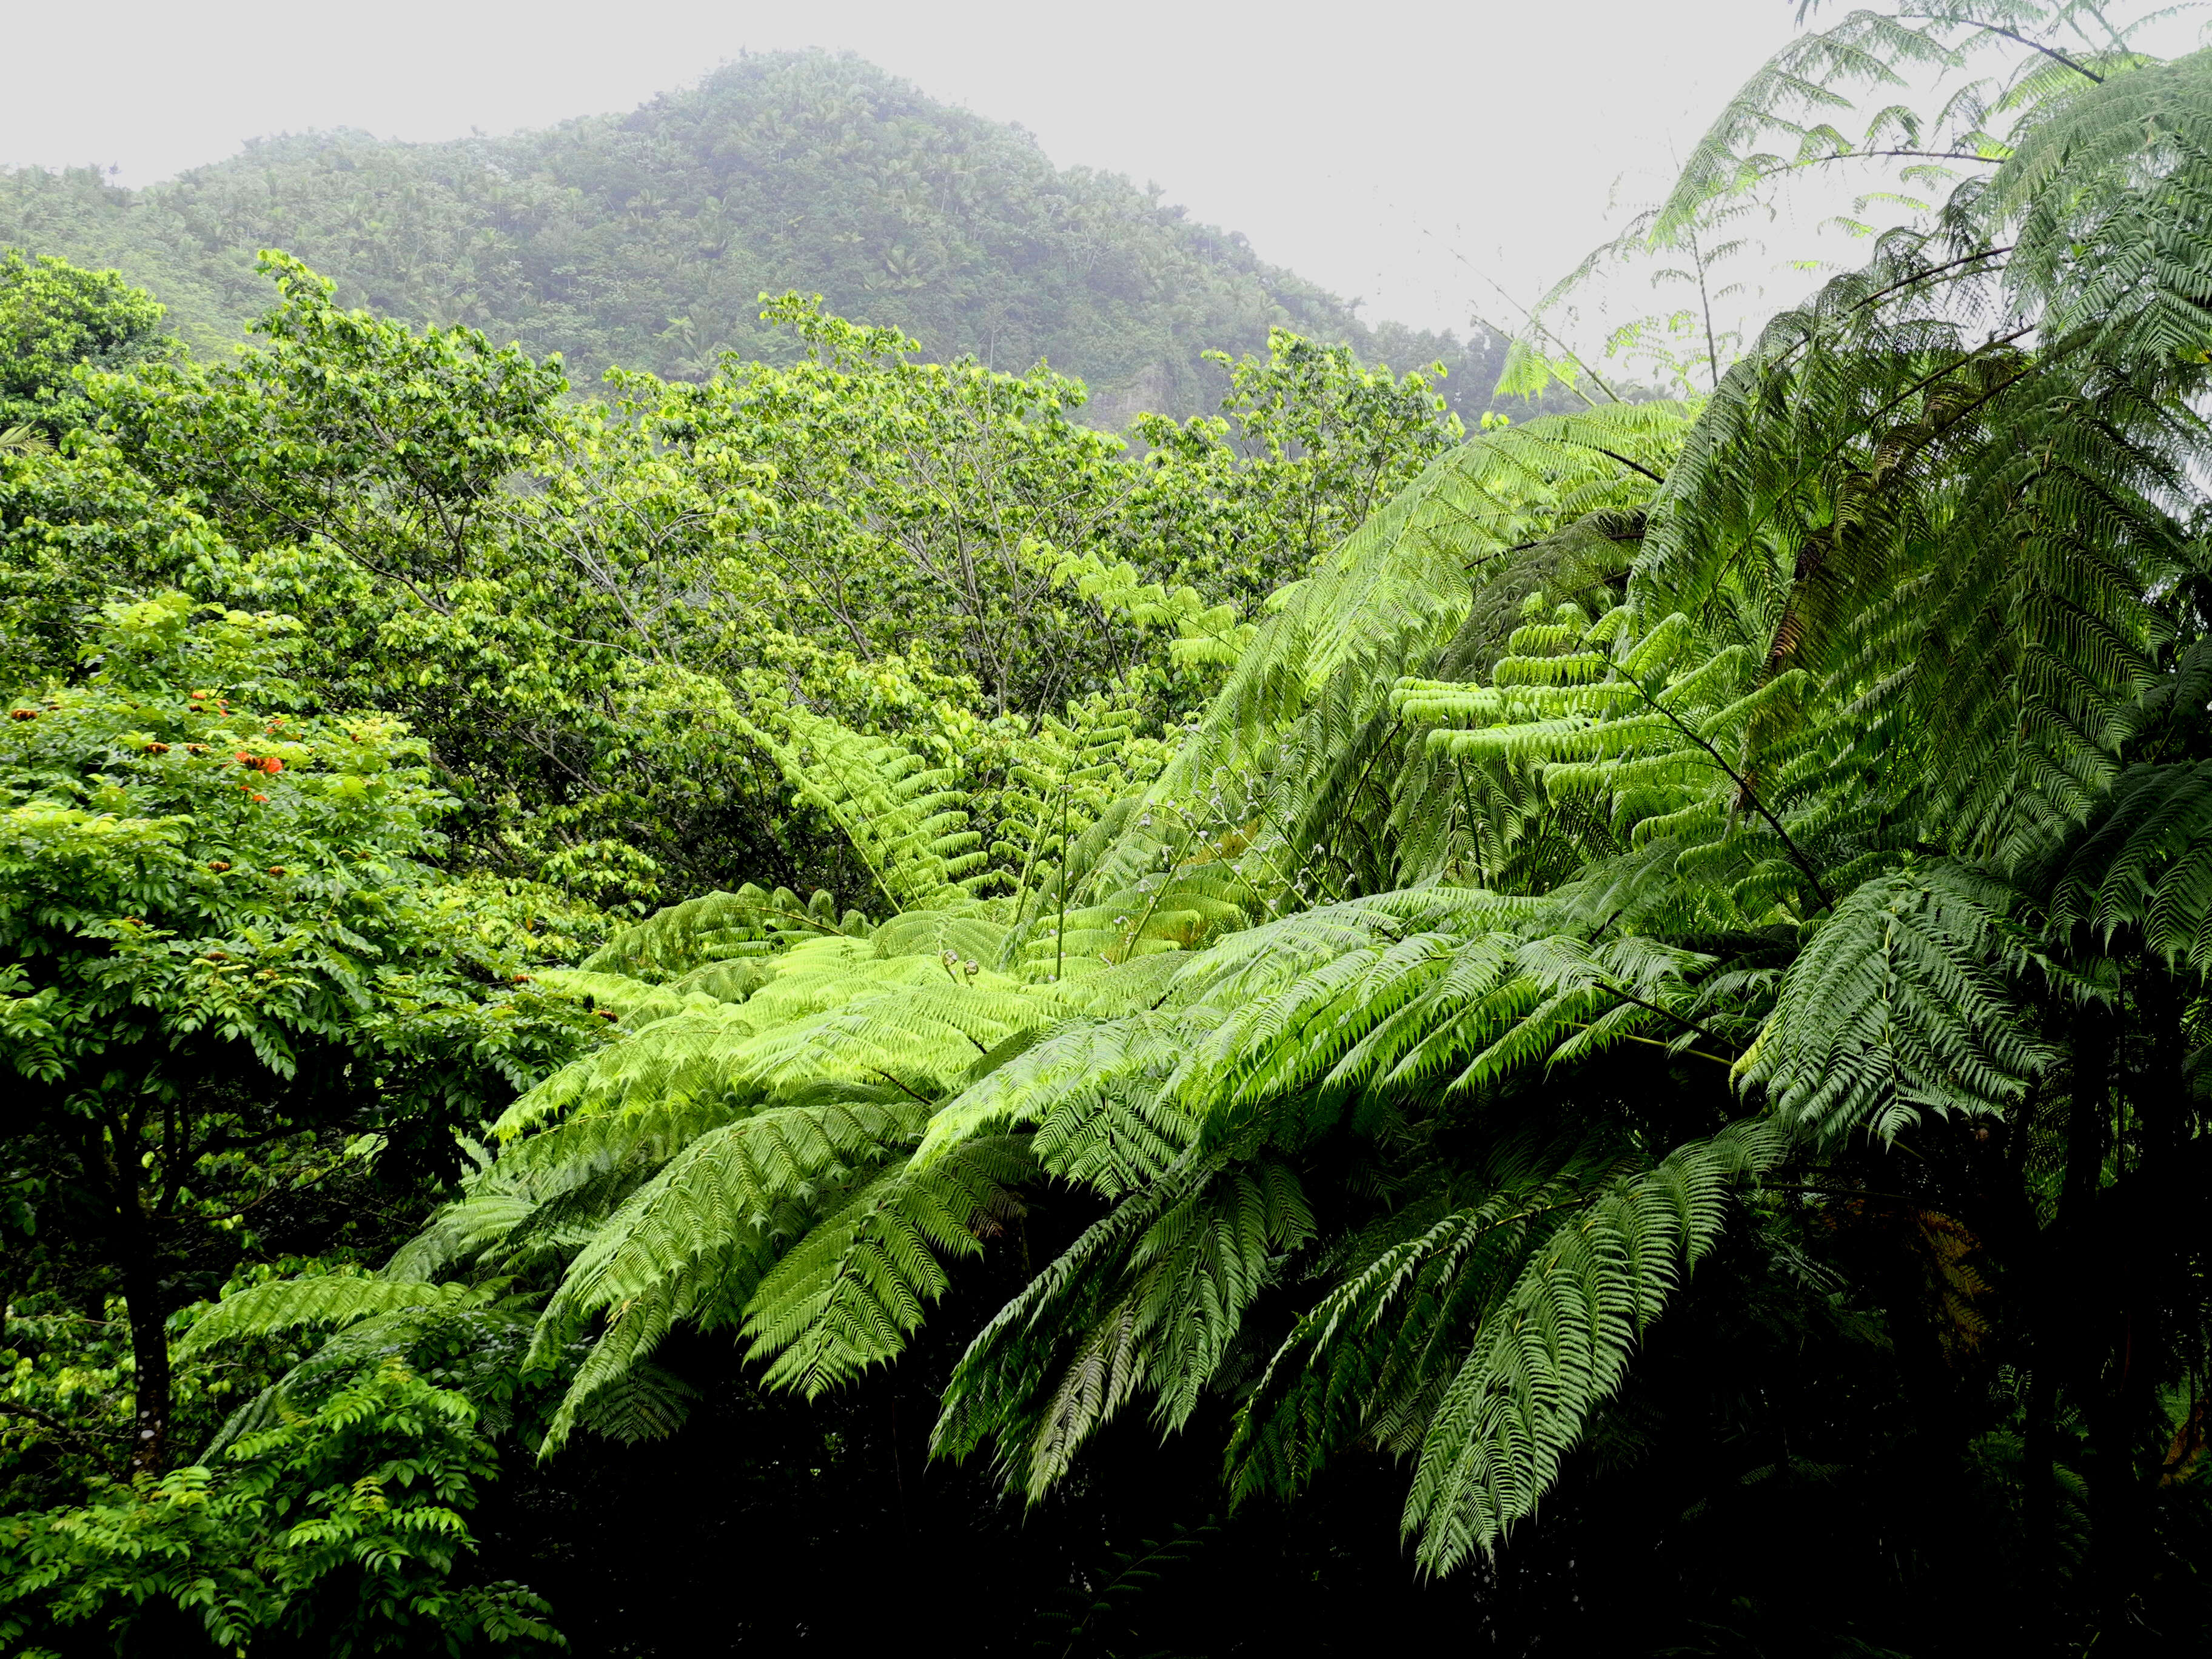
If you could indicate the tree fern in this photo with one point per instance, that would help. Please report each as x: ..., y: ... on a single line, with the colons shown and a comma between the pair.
x: 1391, y: 601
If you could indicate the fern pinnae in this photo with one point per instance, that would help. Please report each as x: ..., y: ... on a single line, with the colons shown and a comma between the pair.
x: 1559, y: 1345
x: 333, y: 1299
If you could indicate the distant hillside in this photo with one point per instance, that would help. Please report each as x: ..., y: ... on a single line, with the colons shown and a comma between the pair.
x: 643, y: 239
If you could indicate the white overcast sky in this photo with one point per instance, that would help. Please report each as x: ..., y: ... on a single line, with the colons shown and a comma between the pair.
x: 1388, y: 149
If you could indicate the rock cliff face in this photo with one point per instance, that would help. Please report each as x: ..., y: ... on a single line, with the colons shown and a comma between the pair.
x: 644, y: 240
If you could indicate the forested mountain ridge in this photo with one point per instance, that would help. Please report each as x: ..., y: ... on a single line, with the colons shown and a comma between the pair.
x: 645, y: 240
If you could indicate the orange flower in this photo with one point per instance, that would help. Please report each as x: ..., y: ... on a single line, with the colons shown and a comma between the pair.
x: 272, y: 766
x: 263, y: 798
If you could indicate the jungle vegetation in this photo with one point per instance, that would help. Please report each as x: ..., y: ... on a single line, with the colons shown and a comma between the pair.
x: 790, y: 1008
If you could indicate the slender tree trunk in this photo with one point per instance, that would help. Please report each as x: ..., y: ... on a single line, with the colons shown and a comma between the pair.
x: 150, y: 1360
x: 112, y: 1148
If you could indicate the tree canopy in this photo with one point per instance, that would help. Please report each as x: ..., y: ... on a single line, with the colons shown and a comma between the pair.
x: 56, y: 318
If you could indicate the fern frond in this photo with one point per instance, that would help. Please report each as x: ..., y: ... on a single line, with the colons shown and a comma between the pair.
x: 849, y: 1295
x: 1083, y: 1071
x: 1480, y: 1330
x: 904, y: 820
x: 1902, y: 1003
x: 695, y: 1240
x: 2108, y: 198
x: 329, y: 1300
x: 1558, y: 1343
x: 1149, y: 1297
x: 683, y: 1057
x: 646, y: 1403
x: 716, y: 927
x: 2146, y: 866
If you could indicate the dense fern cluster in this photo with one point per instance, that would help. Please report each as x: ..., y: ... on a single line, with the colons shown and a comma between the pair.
x: 1650, y: 823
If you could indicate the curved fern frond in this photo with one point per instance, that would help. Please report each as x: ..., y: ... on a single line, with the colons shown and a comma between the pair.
x: 717, y: 928
x: 903, y: 819
x: 2108, y: 197
x: 1149, y: 1297
x: 924, y: 1037
x: 2147, y: 865
x: 1430, y: 1007
x: 646, y: 1403
x: 1082, y: 1084
x: 1559, y: 1342
x: 682, y: 1057
x: 849, y: 1295
x: 1901, y: 1004
x: 1478, y: 1331
x: 331, y: 1299
x: 695, y: 1240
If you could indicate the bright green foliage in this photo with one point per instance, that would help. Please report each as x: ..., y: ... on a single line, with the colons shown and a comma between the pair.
x: 339, y: 1530
x: 905, y: 502
x: 223, y: 958
x: 332, y: 1299
x: 1782, y: 737
x: 1901, y: 1004
x: 1309, y: 443
x: 898, y: 817
x: 1053, y: 784
x: 600, y: 615
x: 56, y: 319
x: 221, y: 818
